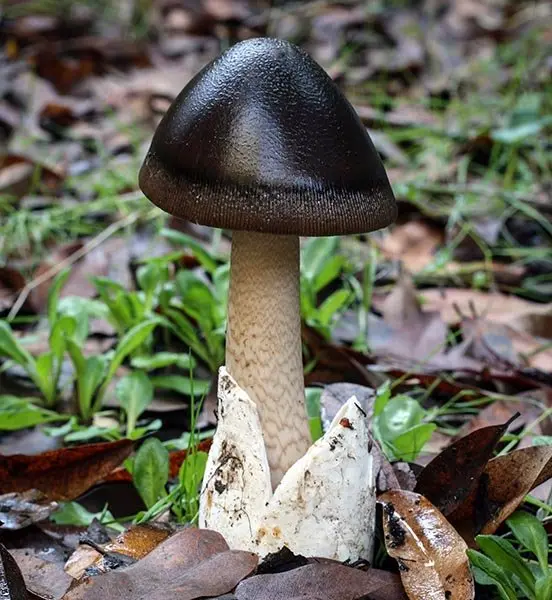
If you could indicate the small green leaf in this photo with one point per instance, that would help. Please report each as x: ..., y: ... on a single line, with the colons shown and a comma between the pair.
x: 399, y: 415
x: 206, y: 260
x: 53, y: 294
x: 409, y: 444
x: 62, y: 329
x: 530, y: 532
x: 45, y: 377
x: 181, y: 384
x: 85, y: 434
x: 128, y: 343
x: 332, y: 306
x: 151, y: 471
x: 163, y: 359
x: 20, y: 413
x: 487, y: 571
x: 135, y: 393
x: 543, y: 587
x: 191, y: 472
x: 149, y: 276
x: 383, y: 395
x: 73, y: 513
x: 508, y: 558
x: 11, y: 348
x: 313, y: 412
x: 331, y: 269
x: 90, y: 374
x: 315, y: 253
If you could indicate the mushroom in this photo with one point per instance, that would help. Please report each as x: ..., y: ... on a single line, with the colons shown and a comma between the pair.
x: 263, y: 143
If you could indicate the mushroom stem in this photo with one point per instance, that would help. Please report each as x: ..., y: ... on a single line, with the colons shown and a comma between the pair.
x: 263, y: 344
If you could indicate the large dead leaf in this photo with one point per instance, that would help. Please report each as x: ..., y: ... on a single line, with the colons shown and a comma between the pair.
x: 520, y: 314
x: 500, y: 489
x: 322, y: 581
x: 451, y: 475
x: 432, y: 558
x: 193, y: 563
x: 12, y: 584
x: 62, y: 474
x: 43, y: 578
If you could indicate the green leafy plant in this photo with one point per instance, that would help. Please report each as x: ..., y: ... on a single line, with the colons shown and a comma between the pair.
x: 196, y: 314
x: 94, y: 373
x: 321, y: 265
x: 150, y: 471
x: 183, y: 496
x: 19, y: 413
x: 135, y: 394
x: 501, y: 564
x: 45, y: 369
x: 400, y: 425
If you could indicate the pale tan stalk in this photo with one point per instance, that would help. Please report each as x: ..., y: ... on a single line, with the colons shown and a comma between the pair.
x: 263, y: 347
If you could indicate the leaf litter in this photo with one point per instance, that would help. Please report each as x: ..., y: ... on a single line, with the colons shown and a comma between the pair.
x: 459, y: 311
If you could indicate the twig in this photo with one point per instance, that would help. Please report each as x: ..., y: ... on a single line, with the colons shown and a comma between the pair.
x: 70, y: 260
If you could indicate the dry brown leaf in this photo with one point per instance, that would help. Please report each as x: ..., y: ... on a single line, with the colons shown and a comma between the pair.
x: 322, y: 581
x: 414, y: 243
x: 44, y: 578
x: 138, y: 541
x: 12, y: 583
x: 530, y: 317
x: 449, y: 477
x: 501, y: 488
x: 193, y: 563
x: 416, y: 334
x: 432, y: 558
x: 62, y: 474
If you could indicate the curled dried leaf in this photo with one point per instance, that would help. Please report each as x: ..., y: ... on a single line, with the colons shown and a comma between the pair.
x: 448, y: 479
x: 501, y: 488
x: 62, y: 474
x: 430, y: 553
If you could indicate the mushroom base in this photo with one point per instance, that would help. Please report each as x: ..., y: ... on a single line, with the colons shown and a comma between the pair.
x: 325, y: 504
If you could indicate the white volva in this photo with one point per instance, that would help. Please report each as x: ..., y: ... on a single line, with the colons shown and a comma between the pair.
x: 324, y: 505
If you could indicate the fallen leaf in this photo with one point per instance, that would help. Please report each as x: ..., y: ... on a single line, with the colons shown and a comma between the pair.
x: 413, y: 243
x: 44, y: 578
x: 19, y: 510
x: 138, y: 541
x: 523, y: 315
x: 19, y: 173
x: 193, y: 563
x: 500, y: 489
x: 415, y: 334
x: 322, y: 581
x: 431, y: 555
x: 12, y: 584
x: 448, y: 479
x: 62, y: 474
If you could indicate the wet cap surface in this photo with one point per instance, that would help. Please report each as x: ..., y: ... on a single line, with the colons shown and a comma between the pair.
x: 262, y: 140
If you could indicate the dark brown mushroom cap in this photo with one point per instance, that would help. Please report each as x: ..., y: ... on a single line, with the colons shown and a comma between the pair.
x: 263, y: 140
